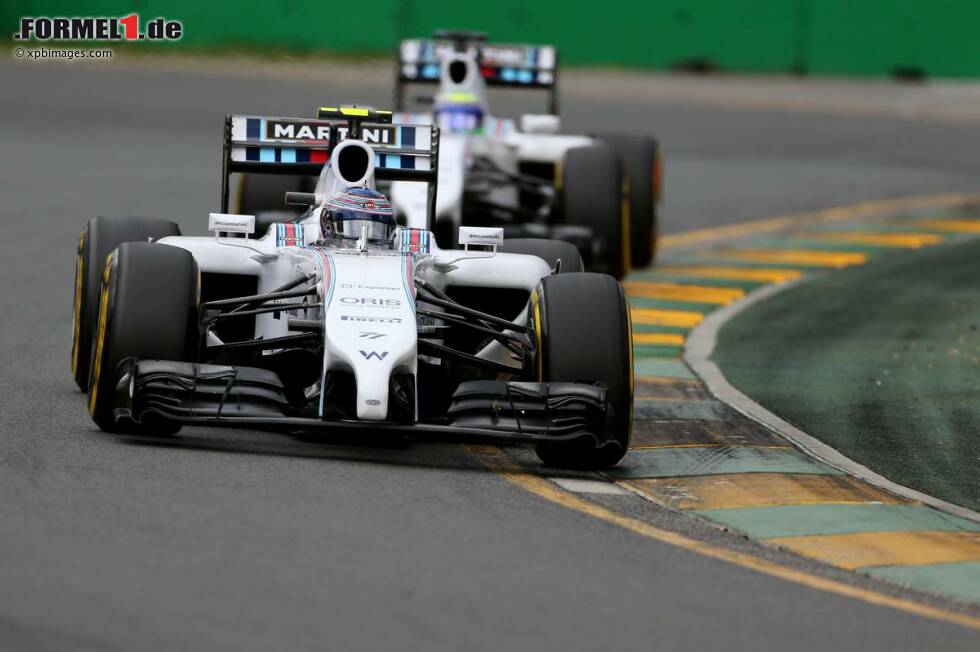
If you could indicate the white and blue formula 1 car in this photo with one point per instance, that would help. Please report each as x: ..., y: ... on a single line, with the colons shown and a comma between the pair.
x: 340, y: 322
x: 600, y: 192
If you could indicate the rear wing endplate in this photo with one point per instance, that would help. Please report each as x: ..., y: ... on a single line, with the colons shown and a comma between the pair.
x: 302, y: 146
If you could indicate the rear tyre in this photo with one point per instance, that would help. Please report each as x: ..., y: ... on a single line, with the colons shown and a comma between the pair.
x: 551, y: 251
x: 99, y: 237
x: 264, y: 196
x: 148, y: 308
x: 582, y: 331
x: 446, y: 233
x: 640, y: 156
x: 592, y: 195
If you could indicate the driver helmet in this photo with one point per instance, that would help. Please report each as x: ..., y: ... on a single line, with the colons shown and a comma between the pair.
x: 347, y: 212
x: 459, y: 113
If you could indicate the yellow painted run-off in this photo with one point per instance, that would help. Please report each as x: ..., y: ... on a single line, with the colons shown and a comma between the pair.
x: 804, y: 257
x: 754, y: 274
x: 798, y: 220
x: 759, y: 490
x: 682, y: 292
x: 897, y: 240
x: 952, y: 226
x: 869, y: 549
x: 658, y: 317
x: 668, y: 339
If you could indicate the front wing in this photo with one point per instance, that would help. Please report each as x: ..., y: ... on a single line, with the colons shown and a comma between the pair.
x: 153, y: 391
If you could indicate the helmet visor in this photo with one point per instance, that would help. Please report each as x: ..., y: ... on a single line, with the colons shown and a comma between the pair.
x: 351, y: 223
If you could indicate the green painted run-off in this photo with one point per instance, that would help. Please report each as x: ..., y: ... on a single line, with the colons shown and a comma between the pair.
x: 882, y: 362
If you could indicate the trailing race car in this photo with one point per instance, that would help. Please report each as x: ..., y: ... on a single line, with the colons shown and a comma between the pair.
x: 600, y: 192
x: 342, y: 322
x: 597, y: 192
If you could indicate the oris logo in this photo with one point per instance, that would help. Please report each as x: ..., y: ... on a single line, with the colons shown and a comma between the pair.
x: 370, y: 301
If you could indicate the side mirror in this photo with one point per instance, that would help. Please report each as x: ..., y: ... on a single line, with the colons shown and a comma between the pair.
x: 481, y: 236
x: 231, y: 223
x: 535, y: 123
x: 303, y: 199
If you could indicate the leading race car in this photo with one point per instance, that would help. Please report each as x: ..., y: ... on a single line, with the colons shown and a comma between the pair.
x: 600, y: 192
x: 340, y: 322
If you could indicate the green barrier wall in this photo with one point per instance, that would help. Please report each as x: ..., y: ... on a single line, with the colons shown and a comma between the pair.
x: 862, y: 37
x: 852, y: 37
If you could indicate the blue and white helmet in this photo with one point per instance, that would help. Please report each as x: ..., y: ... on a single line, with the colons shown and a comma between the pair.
x: 460, y: 112
x: 347, y: 212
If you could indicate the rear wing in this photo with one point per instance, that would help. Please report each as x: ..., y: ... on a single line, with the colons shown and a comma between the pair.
x: 302, y: 146
x: 508, y: 65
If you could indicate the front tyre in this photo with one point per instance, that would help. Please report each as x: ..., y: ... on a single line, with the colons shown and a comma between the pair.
x: 99, y: 237
x: 582, y: 331
x: 148, y: 308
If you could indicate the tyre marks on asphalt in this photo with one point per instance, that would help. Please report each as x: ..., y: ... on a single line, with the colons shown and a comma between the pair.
x: 695, y: 454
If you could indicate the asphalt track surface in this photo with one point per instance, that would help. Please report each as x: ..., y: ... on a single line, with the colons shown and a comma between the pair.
x: 251, y: 541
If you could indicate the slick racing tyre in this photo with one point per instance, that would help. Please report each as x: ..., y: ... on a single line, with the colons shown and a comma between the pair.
x: 99, y: 237
x: 640, y: 156
x: 592, y: 195
x: 148, y: 308
x: 581, y: 327
x: 551, y: 251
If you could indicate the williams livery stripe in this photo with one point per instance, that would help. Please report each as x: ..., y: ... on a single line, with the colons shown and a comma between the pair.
x: 408, y: 279
x: 290, y: 235
x: 415, y: 241
x: 498, y: 126
x: 326, y: 267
